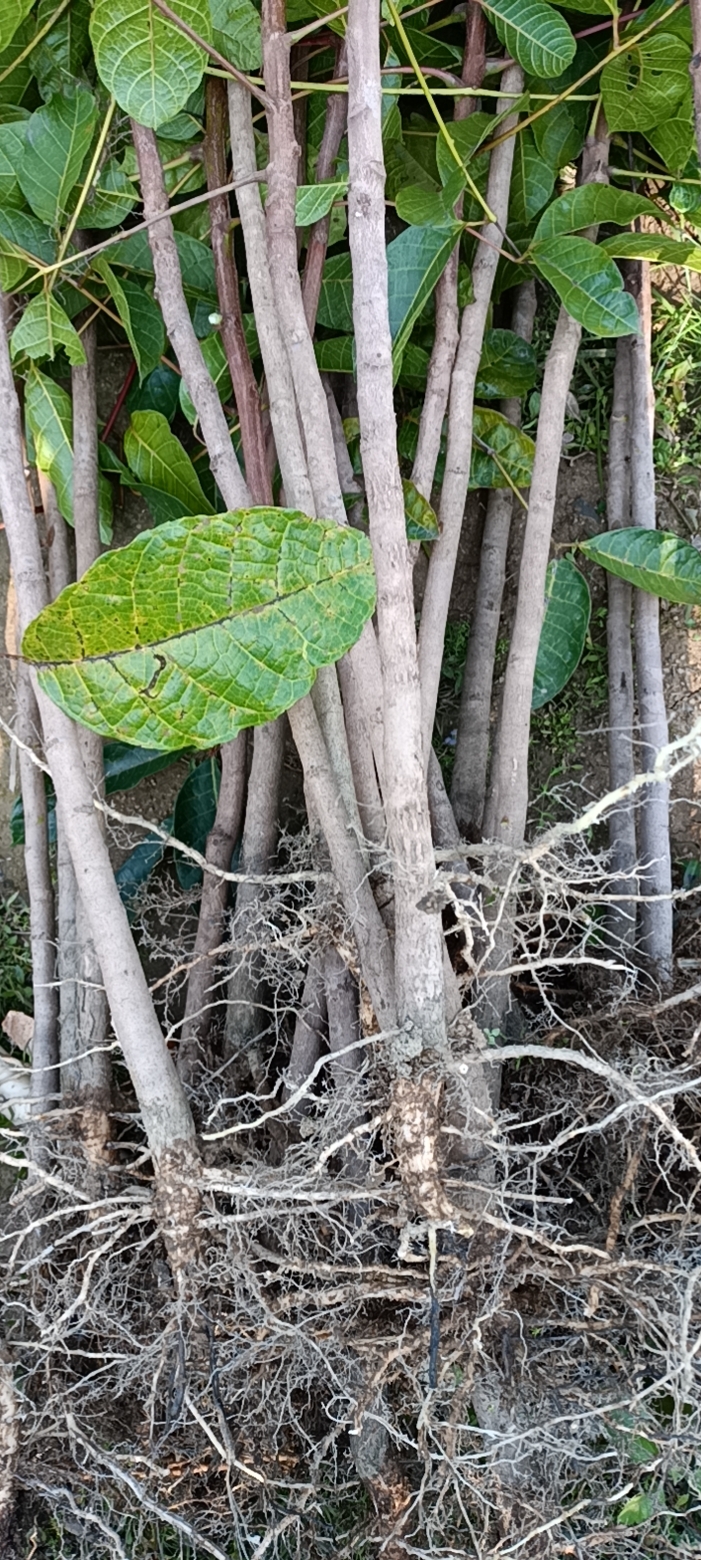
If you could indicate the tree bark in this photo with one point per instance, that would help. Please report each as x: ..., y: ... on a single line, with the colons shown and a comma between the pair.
x: 179, y: 327
x: 418, y: 935
x: 219, y: 850
x: 246, y: 996
x: 309, y: 1034
x: 42, y: 924
x: 232, y: 332
x: 469, y: 779
x: 334, y: 131
x: 447, y: 326
x: 87, y: 1080
x: 166, y: 1116
x: 439, y: 582
x: 509, y: 803
x: 655, y: 905
x: 620, y: 917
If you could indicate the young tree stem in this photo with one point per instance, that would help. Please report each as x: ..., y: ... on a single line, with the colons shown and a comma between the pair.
x: 179, y: 327
x: 655, y: 905
x: 418, y: 934
x: 469, y: 779
x: 439, y: 582
x: 620, y: 918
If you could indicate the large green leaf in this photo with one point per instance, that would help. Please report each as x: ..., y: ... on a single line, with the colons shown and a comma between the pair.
x: 642, y: 87
x: 588, y: 283
x: 193, y: 817
x: 43, y: 328
x: 502, y: 455
x: 537, y: 36
x: 467, y: 135
x: 564, y: 630
x: 158, y: 459
x: 217, y: 363
x: 140, y: 316
x: 159, y: 393
x: 59, y: 56
x: 508, y: 366
x: 16, y: 76
x: 314, y: 201
x: 12, y: 14
x: 144, y: 61
x: 655, y: 561
x: 420, y: 206
x: 196, y: 263
x: 336, y: 356
x: 11, y: 145
x: 422, y: 523
x: 236, y: 32
x: 673, y: 139
x: 50, y: 419
x: 204, y: 626
x: 140, y: 864
x: 112, y: 197
x: 558, y: 136
x: 532, y: 180
x: 56, y: 143
x: 336, y: 297
x: 593, y: 203
x: 655, y: 248
x: 415, y: 261
x: 26, y: 236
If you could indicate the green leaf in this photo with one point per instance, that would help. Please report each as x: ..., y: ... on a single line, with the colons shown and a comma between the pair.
x: 636, y: 1510
x: 216, y: 360
x: 402, y: 169
x: 50, y: 419
x: 415, y: 261
x: 422, y: 523
x: 160, y: 392
x: 26, y: 235
x: 655, y: 561
x: 532, y: 181
x: 193, y: 817
x: 60, y: 55
x: 57, y: 141
x: 673, y: 139
x: 536, y: 35
x: 558, y: 136
x: 468, y: 135
x: 336, y: 356
x: 236, y: 32
x: 657, y: 249
x: 50, y: 416
x: 158, y: 459
x: 196, y: 263
x: 419, y: 206
x: 336, y: 297
x: 508, y: 366
x: 11, y: 146
x: 588, y: 283
x: 111, y: 199
x: 314, y: 201
x: 126, y: 766
x: 144, y: 61
x: 414, y: 367
x: 205, y: 626
x: 12, y: 14
x: 140, y: 864
x: 500, y: 452
x: 17, y: 76
x: 43, y: 328
x: 593, y: 203
x: 642, y: 87
x: 140, y: 316
x: 564, y: 630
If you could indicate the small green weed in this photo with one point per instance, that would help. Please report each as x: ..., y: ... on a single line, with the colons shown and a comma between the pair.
x: 15, y: 957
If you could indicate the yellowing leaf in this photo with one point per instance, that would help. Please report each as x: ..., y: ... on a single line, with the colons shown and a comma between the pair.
x: 204, y: 626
